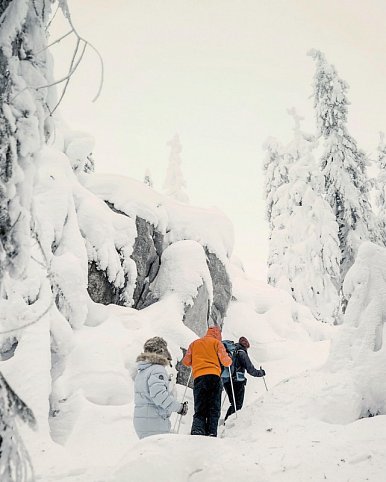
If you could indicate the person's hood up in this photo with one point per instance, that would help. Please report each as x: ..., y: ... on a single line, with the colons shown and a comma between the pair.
x: 244, y: 342
x: 149, y: 358
x: 214, y: 332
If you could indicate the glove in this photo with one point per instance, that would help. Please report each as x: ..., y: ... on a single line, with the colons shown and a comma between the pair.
x: 184, y: 409
x: 261, y: 372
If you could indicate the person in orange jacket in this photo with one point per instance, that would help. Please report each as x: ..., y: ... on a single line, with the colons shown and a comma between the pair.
x: 204, y: 356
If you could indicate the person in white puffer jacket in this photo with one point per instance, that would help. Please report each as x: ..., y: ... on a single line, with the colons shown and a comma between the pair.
x: 153, y: 402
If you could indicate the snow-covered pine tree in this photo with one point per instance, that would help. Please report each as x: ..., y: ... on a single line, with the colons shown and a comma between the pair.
x: 175, y: 184
x: 20, y: 124
x: 148, y: 180
x: 24, y: 125
x: 380, y: 186
x: 275, y: 173
x: 304, y: 247
x: 343, y: 164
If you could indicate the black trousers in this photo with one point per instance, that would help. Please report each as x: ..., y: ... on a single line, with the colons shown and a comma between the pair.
x: 207, y: 405
x: 239, y: 389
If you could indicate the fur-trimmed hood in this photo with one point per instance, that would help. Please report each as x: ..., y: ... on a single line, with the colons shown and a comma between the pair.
x: 152, y: 358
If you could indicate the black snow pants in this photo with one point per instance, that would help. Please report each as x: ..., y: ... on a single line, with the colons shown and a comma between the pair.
x: 207, y: 405
x: 239, y: 389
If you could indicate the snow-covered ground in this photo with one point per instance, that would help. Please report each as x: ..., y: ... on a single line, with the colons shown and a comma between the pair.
x: 278, y: 436
x: 323, y: 416
x: 75, y: 366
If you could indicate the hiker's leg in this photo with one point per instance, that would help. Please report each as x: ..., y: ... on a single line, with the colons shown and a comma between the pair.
x: 215, y: 405
x: 239, y: 388
x: 206, y: 400
x: 228, y: 389
x: 240, y: 395
x: 199, y: 417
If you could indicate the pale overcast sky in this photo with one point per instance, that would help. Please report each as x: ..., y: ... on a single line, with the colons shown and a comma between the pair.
x: 221, y: 73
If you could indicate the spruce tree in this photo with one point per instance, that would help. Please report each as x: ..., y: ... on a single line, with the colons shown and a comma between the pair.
x: 275, y: 173
x: 24, y: 127
x: 304, y: 248
x: 343, y: 164
x: 24, y: 121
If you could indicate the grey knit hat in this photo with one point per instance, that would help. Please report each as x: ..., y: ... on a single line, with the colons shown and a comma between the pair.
x: 157, y: 345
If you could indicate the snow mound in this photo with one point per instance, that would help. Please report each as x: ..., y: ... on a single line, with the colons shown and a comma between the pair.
x: 359, y: 353
x: 183, y: 270
x: 351, y: 384
x: 205, y: 459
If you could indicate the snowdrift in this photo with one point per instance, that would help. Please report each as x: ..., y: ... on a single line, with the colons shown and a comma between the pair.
x: 101, y: 248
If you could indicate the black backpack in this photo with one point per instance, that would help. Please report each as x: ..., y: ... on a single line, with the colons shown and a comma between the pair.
x: 231, y: 349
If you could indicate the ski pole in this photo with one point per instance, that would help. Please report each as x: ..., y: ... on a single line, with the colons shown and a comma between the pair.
x: 233, y: 392
x: 223, y: 401
x: 265, y: 383
x: 183, y: 398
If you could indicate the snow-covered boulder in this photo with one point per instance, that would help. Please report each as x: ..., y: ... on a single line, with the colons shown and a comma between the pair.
x: 109, y: 239
x: 196, y: 313
x: 222, y: 287
x: 162, y: 222
x: 184, y: 272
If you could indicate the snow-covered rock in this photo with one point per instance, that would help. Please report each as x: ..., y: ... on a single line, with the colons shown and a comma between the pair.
x: 147, y: 252
x: 184, y: 271
x: 162, y: 222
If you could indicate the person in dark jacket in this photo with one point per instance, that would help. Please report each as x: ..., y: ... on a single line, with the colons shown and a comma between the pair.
x: 242, y: 364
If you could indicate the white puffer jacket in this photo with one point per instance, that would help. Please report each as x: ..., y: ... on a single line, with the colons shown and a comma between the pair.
x: 153, y: 402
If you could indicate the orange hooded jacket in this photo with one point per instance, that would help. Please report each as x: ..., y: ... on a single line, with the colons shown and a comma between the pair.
x: 205, y: 354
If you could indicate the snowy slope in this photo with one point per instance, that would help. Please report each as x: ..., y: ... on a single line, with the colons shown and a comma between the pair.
x: 75, y: 366
x: 280, y: 435
x: 93, y: 426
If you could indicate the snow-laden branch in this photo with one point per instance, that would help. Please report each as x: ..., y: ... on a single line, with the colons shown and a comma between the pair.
x: 55, y: 288
x: 73, y: 65
x: 30, y: 323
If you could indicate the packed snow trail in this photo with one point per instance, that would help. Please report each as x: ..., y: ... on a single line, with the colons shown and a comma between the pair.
x: 121, y: 457
x: 270, y: 441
